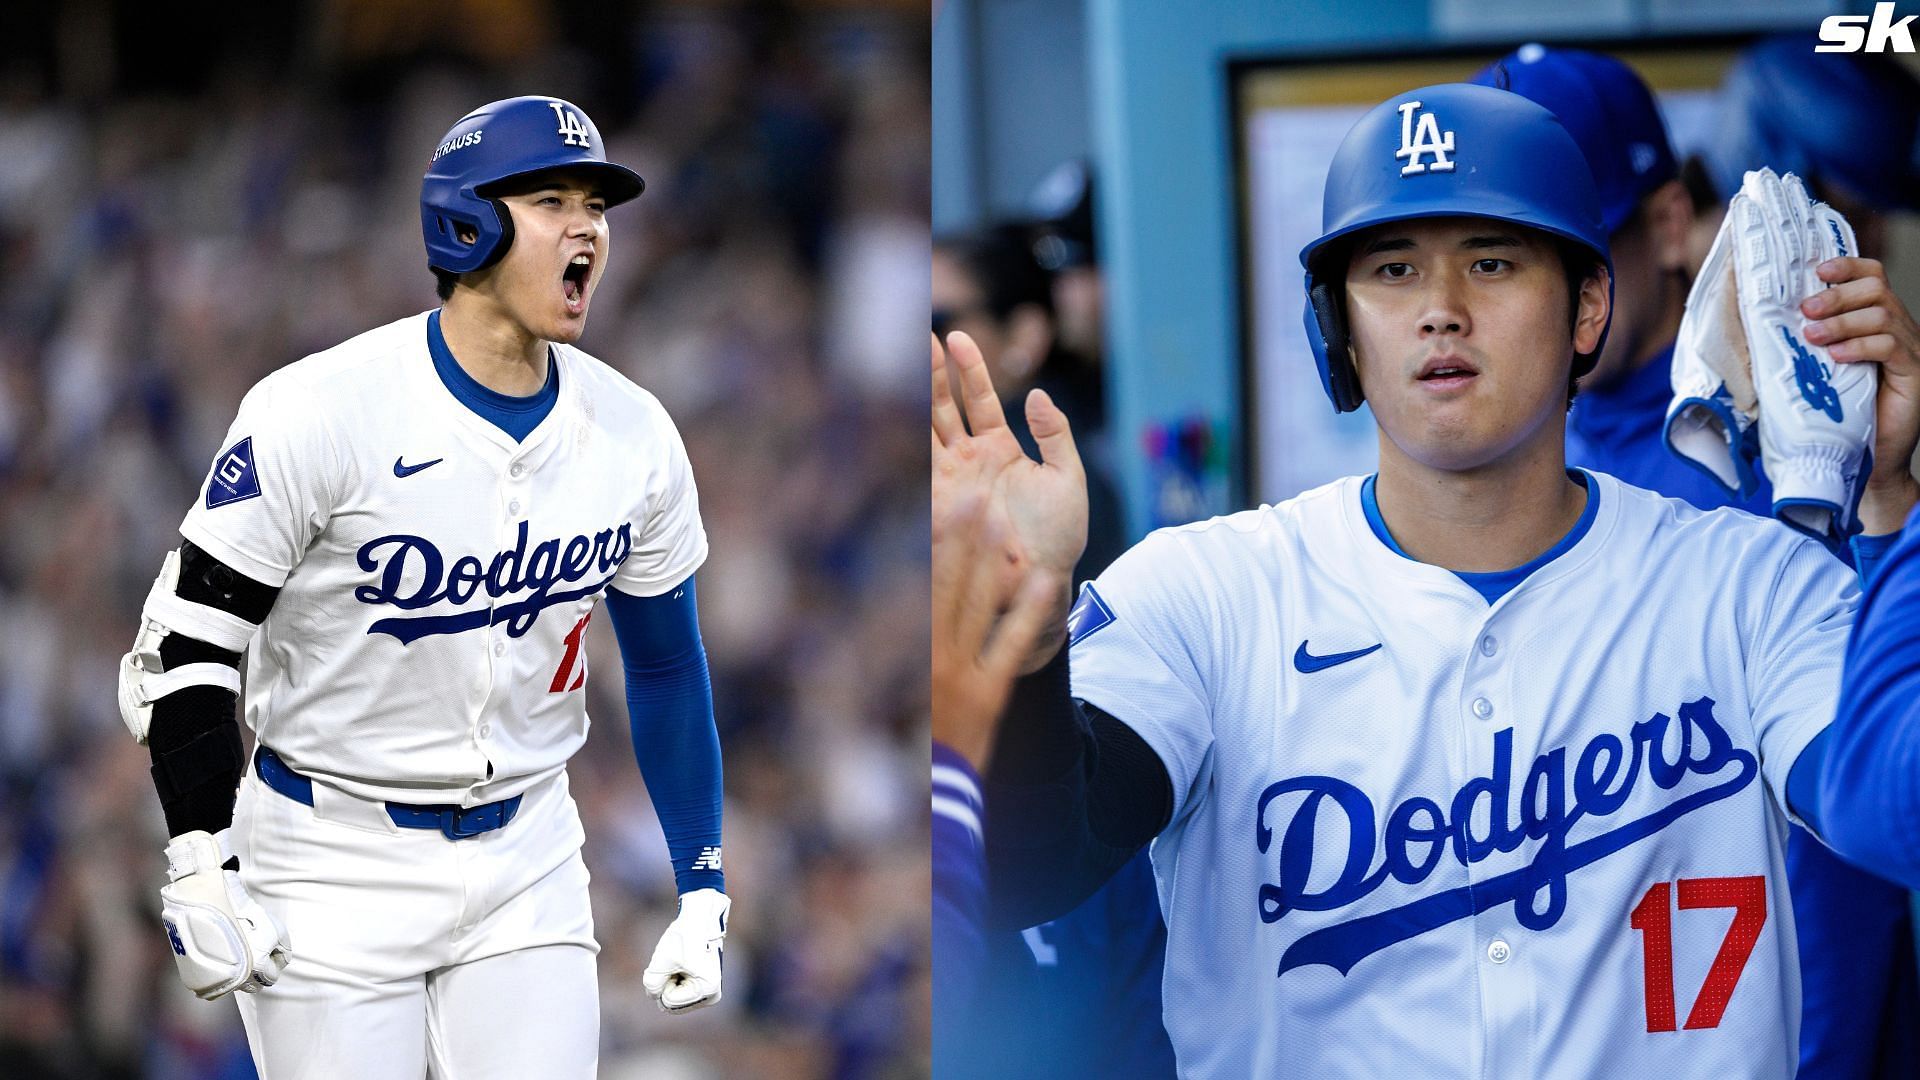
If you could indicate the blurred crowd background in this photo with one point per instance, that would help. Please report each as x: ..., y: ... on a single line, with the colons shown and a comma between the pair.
x: 174, y: 225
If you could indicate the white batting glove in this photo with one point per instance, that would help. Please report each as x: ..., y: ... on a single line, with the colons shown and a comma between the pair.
x: 685, y: 971
x: 1817, y: 417
x: 222, y: 939
x: 1710, y: 423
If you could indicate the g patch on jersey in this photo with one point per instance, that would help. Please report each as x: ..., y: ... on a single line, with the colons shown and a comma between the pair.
x: 1090, y: 613
x: 233, y: 479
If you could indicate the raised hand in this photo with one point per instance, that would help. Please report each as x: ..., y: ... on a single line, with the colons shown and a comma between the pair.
x: 1036, y: 510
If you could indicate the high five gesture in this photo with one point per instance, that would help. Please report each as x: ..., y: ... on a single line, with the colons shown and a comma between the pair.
x: 1038, y: 507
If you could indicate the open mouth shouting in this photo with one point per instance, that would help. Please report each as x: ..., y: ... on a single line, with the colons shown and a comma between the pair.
x: 573, y: 282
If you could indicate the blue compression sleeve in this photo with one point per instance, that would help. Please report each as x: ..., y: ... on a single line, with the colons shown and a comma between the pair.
x: 670, y: 704
x: 1870, y: 781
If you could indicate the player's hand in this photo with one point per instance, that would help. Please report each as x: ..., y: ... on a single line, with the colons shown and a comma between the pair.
x: 684, y: 973
x: 1039, y: 506
x: 977, y: 652
x: 1860, y: 320
x: 222, y: 939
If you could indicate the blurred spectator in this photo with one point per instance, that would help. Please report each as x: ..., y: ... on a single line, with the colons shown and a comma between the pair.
x: 1846, y: 123
x: 990, y: 285
x: 1064, y: 245
x: 165, y: 245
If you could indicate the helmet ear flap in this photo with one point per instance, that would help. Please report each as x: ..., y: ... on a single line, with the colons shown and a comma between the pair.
x: 1327, y: 329
x: 500, y: 246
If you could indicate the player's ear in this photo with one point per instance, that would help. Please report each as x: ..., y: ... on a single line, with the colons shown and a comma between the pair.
x: 1595, y: 306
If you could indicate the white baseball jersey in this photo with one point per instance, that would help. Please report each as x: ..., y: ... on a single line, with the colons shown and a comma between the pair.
x: 436, y: 577
x: 1416, y: 834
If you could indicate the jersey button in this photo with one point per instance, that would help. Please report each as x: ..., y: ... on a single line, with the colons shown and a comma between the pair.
x: 1482, y: 708
x: 517, y: 469
x: 1498, y: 951
x: 513, y: 507
x: 487, y: 729
x: 499, y: 648
x: 1489, y: 645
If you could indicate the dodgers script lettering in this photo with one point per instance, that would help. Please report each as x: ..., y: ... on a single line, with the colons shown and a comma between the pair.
x: 1420, y: 832
x: 507, y: 573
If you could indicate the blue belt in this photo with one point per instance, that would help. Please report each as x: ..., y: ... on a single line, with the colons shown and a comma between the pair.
x: 456, y: 822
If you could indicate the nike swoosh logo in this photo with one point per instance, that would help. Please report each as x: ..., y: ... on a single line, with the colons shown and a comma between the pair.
x: 1308, y: 663
x: 409, y: 470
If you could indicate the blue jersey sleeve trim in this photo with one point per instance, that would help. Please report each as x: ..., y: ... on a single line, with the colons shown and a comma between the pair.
x: 670, y: 706
x: 1803, y: 781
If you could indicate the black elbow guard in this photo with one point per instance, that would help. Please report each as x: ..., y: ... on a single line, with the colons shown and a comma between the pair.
x: 180, y: 684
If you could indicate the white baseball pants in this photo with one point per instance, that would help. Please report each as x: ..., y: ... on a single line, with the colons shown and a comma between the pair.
x: 414, y: 955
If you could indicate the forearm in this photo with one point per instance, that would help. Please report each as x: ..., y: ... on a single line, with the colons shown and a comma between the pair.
x: 670, y: 706
x: 1886, y: 501
x: 1074, y: 794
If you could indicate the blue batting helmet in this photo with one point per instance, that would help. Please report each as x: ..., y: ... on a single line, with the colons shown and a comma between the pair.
x: 1453, y: 150
x: 499, y: 142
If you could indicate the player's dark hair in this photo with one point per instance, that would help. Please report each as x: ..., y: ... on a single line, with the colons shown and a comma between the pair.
x: 443, y: 282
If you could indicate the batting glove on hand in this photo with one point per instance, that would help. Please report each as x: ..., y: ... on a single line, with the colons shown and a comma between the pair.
x: 1817, y: 417
x: 685, y: 971
x: 1710, y: 423
x: 222, y: 939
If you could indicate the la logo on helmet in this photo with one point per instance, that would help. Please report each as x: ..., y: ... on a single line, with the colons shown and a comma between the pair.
x: 572, y: 131
x: 1422, y: 139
